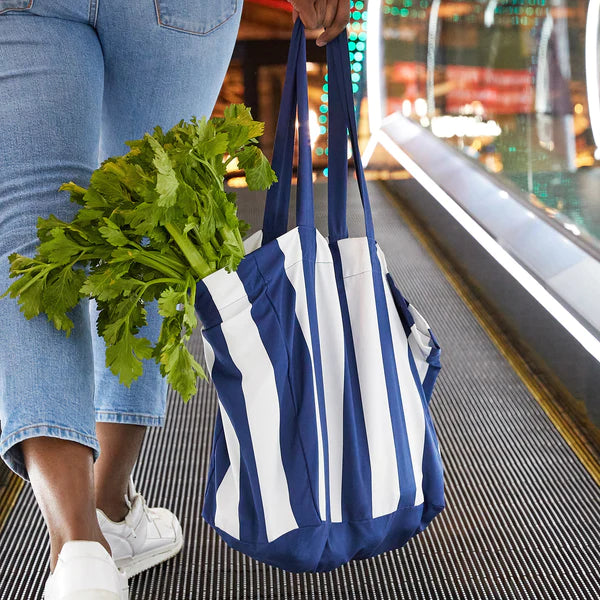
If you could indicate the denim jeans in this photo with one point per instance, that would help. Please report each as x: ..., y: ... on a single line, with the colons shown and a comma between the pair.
x: 77, y: 79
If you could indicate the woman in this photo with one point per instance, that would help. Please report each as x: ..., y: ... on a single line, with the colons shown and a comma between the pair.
x: 77, y: 79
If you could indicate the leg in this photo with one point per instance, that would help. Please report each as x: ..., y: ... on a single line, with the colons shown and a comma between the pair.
x: 51, y: 83
x: 154, y: 76
x: 61, y: 475
x: 120, y: 443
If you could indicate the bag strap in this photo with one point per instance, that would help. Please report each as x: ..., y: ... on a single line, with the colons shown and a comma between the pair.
x: 295, y: 95
x: 341, y: 121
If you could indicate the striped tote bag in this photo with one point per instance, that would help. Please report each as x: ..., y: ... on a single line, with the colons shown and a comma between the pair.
x: 324, y: 449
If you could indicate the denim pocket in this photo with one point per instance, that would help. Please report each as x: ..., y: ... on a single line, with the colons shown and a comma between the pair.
x: 194, y: 16
x: 7, y: 5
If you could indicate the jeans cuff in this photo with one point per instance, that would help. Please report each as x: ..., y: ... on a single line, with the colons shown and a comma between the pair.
x: 111, y: 416
x: 12, y: 454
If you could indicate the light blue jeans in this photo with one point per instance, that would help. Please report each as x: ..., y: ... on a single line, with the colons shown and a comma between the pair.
x: 77, y: 79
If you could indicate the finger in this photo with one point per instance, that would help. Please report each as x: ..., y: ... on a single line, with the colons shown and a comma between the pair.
x: 342, y: 16
x: 330, y: 12
x: 306, y: 10
x: 320, y: 9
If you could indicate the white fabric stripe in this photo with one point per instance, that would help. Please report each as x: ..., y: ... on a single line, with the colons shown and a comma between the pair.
x: 331, y: 335
x: 209, y: 356
x: 262, y: 406
x: 411, y: 399
x: 291, y: 247
x: 227, y: 515
x: 225, y: 289
x: 385, y: 484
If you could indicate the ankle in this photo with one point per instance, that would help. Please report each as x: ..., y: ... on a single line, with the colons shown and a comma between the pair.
x: 57, y: 542
x: 115, y: 509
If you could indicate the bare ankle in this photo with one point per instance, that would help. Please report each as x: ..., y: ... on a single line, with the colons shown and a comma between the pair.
x: 115, y: 510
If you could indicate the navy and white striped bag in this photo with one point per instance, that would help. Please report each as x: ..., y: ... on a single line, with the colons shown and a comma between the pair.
x: 324, y: 449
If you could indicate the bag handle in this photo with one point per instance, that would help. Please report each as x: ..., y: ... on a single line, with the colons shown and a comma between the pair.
x: 341, y: 121
x: 295, y: 95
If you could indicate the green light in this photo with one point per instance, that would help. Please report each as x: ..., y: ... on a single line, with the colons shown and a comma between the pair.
x: 352, y: 46
x: 325, y: 76
x: 319, y: 151
x: 408, y: 3
x: 360, y: 46
x: 356, y: 15
x: 326, y: 151
x: 360, y: 5
x: 395, y: 10
x: 358, y: 56
x: 356, y: 26
x: 326, y: 172
x: 351, y: 54
x: 357, y: 67
x: 355, y: 87
x: 326, y: 87
x: 324, y: 98
x: 364, y: 15
x: 362, y: 36
x: 323, y: 108
x: 355, y: 77
x: 353, y: 35
x: 386, y: 10
x: 322, y: 129
x: 322, y: 119
x: 404, y: 12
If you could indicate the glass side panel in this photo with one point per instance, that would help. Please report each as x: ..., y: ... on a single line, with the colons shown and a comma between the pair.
x: 513, y: 84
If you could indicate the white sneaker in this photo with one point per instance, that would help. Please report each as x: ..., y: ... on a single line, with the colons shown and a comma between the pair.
x: 144, y: 538
x: 85, y: 571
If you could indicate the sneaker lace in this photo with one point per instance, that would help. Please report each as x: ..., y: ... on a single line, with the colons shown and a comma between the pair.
x: 145, y: 508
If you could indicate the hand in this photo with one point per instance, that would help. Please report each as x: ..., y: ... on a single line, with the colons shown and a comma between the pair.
x: 332, y: 15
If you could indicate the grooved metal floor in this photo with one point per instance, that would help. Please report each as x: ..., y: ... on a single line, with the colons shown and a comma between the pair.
x: 522, y: 518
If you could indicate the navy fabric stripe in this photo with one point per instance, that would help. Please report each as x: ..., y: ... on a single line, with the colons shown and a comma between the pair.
x: 220, y: 454
x: 298, y: 435
x: 228, y: 381
x: 356, y: 476
x: 308, y: 241
x: 405, y: 471
x: 433, y: 469
x: 207, y: 311
x: 218, y: 468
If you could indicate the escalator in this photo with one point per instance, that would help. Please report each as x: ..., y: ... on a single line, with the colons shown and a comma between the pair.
x: 523, y: 499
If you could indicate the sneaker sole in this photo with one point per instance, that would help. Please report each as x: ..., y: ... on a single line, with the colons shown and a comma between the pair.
x: 93, y: 595
x: 133, y: 566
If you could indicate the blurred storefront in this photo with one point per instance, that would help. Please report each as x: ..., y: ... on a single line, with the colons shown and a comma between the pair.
x: 513, y: 84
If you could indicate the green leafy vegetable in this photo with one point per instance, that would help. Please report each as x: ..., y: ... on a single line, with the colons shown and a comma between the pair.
x: 150, y: 225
